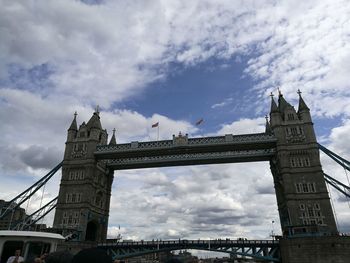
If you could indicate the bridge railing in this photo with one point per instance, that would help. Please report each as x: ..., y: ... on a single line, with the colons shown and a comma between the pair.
x: 180, y: 141
x: 185, y: 241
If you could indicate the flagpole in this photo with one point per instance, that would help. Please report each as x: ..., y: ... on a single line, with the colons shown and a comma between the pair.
x: 158, y: 132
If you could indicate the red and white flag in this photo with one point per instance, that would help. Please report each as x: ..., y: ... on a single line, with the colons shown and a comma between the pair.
x: 155, y: 125
x: 199, y: 121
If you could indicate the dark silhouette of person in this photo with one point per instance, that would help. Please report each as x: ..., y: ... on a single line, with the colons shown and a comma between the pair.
x: 92, y: 255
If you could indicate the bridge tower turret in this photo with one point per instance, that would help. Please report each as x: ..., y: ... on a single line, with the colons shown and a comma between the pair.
x: 85, y: 189
x: 302, y: 196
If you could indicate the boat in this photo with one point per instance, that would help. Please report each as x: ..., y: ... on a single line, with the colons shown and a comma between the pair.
x: 32, y: 244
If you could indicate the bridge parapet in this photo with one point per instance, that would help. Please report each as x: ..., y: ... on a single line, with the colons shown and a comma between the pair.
x: 205, y: 141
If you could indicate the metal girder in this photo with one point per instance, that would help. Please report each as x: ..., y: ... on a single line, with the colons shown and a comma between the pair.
x: 340, y: 160
x: 26, y: 194
x: 183, y: 144
x: 191, y: 159
x: 260, y: 249
x: 337, y: 185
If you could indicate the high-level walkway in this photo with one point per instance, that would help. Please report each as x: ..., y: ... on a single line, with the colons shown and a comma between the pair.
x: 189, y: 151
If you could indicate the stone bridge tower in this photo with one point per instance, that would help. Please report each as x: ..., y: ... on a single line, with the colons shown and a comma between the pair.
x: 302, y: 196
x: 85, y: 190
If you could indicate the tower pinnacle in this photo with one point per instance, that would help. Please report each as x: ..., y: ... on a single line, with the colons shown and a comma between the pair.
x: 113, y: 140
x: 274, y: 107
x: 302, y: 105
x: 74, y: 125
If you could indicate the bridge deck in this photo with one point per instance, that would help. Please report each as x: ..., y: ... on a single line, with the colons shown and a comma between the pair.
x: 262, y: 249
x: 188, y: 151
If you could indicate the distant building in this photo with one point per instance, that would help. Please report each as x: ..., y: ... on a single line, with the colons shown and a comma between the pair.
x: 18, y: 214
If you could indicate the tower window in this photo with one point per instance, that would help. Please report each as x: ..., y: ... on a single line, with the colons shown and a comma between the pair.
x: 312, y: 222
x: 310, y: 212
x: 292, y: 162
x: 305, y: 188
x: 290, y: 116
x: 294, y: 130
x: 79, y: 197
x: 311, y: 187
x: 307, y: 161
x: 68, y: 198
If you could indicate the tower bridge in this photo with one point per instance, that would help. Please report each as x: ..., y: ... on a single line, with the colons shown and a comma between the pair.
x: 289, y: 145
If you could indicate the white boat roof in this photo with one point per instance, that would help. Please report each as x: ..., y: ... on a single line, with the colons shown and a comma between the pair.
x: 11, y: 233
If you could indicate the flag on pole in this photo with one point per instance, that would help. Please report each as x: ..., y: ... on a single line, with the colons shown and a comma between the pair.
x: 199, y: 121
x: 155, y: 125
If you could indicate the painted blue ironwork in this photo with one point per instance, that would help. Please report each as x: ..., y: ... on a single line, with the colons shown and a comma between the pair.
x: 267, y: 250
x: 337, y: 185
x: 344, y: 189
x: 205, y: 141
x: 33, y: 218
x: 26, y: 194
x: 191, y: 158
x: 340, y: 160
x: 188, y: 151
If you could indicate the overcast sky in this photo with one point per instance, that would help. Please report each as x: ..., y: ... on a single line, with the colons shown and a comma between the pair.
x: 171, y: 62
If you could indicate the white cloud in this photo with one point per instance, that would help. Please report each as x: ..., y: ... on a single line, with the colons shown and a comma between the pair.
x: 102, y: 54
x: 244, y: 126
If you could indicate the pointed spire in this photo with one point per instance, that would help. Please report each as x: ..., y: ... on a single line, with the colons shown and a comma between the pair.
x: 74, y: 125
x: 267, y: 125
x: 302, y: 104
x: 274, y: 107
x: 94, y: 121
x: 282, y: 103
x: 113, y: 140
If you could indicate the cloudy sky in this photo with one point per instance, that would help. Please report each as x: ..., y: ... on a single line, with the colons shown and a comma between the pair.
x: 171, y: 62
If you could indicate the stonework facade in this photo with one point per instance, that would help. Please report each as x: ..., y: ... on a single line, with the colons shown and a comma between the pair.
x: 302, y: 196
x: 85, y: 190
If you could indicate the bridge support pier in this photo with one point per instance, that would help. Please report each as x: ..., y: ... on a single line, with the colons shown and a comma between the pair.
x: 321, y: 249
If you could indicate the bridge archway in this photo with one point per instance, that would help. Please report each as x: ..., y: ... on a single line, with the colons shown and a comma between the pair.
x: 91, y: 231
